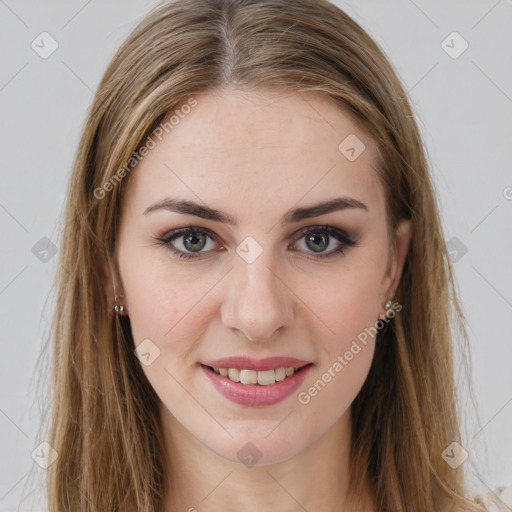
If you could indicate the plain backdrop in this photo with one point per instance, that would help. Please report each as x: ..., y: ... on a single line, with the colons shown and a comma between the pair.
x: 462, y: 98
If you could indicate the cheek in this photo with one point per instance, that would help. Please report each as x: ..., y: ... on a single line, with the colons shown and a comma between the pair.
x: 349, y: 307
x: 347, y: 303
x: 162, y: 299
x: 171, y: 312
x: 336, y: 384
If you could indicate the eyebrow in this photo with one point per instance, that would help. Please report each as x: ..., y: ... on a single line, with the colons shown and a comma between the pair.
x: 291, y: 216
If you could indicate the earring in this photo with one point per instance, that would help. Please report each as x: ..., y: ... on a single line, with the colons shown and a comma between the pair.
x: 388, y: 304
x: 118, y: 307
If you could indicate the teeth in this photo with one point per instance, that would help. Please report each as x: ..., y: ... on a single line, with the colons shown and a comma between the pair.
x: 248, y: 377
x: 267, y: 377
x: 263, y: 377
x: 280, y: 374
x: 233, y: 374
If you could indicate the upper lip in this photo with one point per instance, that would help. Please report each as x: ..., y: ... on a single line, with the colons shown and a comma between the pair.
x: 249, y: 363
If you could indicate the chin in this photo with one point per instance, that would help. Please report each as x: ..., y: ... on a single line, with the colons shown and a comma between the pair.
x: 257, y: 451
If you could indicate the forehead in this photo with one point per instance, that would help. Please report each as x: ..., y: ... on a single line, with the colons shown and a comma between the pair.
x: 258, y: 151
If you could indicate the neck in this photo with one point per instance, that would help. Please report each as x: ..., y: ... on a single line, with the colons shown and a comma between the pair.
x: 315, y: 479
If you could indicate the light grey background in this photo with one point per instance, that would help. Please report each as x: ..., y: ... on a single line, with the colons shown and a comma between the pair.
x: 463, y: 105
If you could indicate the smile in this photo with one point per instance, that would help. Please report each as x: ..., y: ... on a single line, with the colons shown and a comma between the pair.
x: 263, y: 378
x: 256, y: 387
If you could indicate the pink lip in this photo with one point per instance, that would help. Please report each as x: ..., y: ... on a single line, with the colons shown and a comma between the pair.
x: 254, y: 395
x: 247, y: 363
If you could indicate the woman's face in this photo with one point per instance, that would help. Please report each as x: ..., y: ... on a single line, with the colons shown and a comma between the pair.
x: 264, y: 275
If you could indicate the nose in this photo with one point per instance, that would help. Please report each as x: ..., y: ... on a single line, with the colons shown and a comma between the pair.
x: 257, y: 302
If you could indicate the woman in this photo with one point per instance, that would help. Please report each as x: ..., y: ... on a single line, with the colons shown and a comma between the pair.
x: 254, y: 298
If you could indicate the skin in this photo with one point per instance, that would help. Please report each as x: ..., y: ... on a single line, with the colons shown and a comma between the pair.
x: 256, y: 155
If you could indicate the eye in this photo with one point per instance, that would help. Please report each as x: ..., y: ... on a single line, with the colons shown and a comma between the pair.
x: 319, y: 238
x: 192, y: 241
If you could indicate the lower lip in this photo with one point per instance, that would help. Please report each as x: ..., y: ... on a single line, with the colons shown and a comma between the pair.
x: 254, y: 395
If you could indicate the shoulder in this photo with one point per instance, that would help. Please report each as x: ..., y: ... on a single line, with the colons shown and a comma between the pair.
x: 497, y: 500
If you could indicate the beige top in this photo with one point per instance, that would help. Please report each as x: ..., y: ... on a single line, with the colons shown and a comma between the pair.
x: 499, y: 500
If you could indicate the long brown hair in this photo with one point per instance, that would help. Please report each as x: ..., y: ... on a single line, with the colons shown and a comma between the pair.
x: 103, y: 413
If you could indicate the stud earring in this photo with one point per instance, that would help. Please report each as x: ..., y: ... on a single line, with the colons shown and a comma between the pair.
x: 388, y: 304
x: 118, y: 306
x: 118, y: 309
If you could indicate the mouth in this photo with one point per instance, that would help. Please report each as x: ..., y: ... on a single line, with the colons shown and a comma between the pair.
x: 257, y: 377
x: 254, y: 383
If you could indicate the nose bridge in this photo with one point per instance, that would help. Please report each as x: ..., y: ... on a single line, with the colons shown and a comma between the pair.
x: 258, y: 302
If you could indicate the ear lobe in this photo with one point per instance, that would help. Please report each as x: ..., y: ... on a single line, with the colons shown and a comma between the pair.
x: 111, y: 280
x: 113, y: 286
x: 403, y: 237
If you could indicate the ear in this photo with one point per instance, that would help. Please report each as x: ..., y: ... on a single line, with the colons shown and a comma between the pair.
x: 396, y: 262
x: 112, y: 283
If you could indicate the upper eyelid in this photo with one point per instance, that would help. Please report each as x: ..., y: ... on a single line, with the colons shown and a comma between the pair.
x: 299, y: 233
x: 210, y: 232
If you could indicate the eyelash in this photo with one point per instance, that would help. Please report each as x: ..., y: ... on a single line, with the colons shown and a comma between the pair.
x: 343, y: 237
